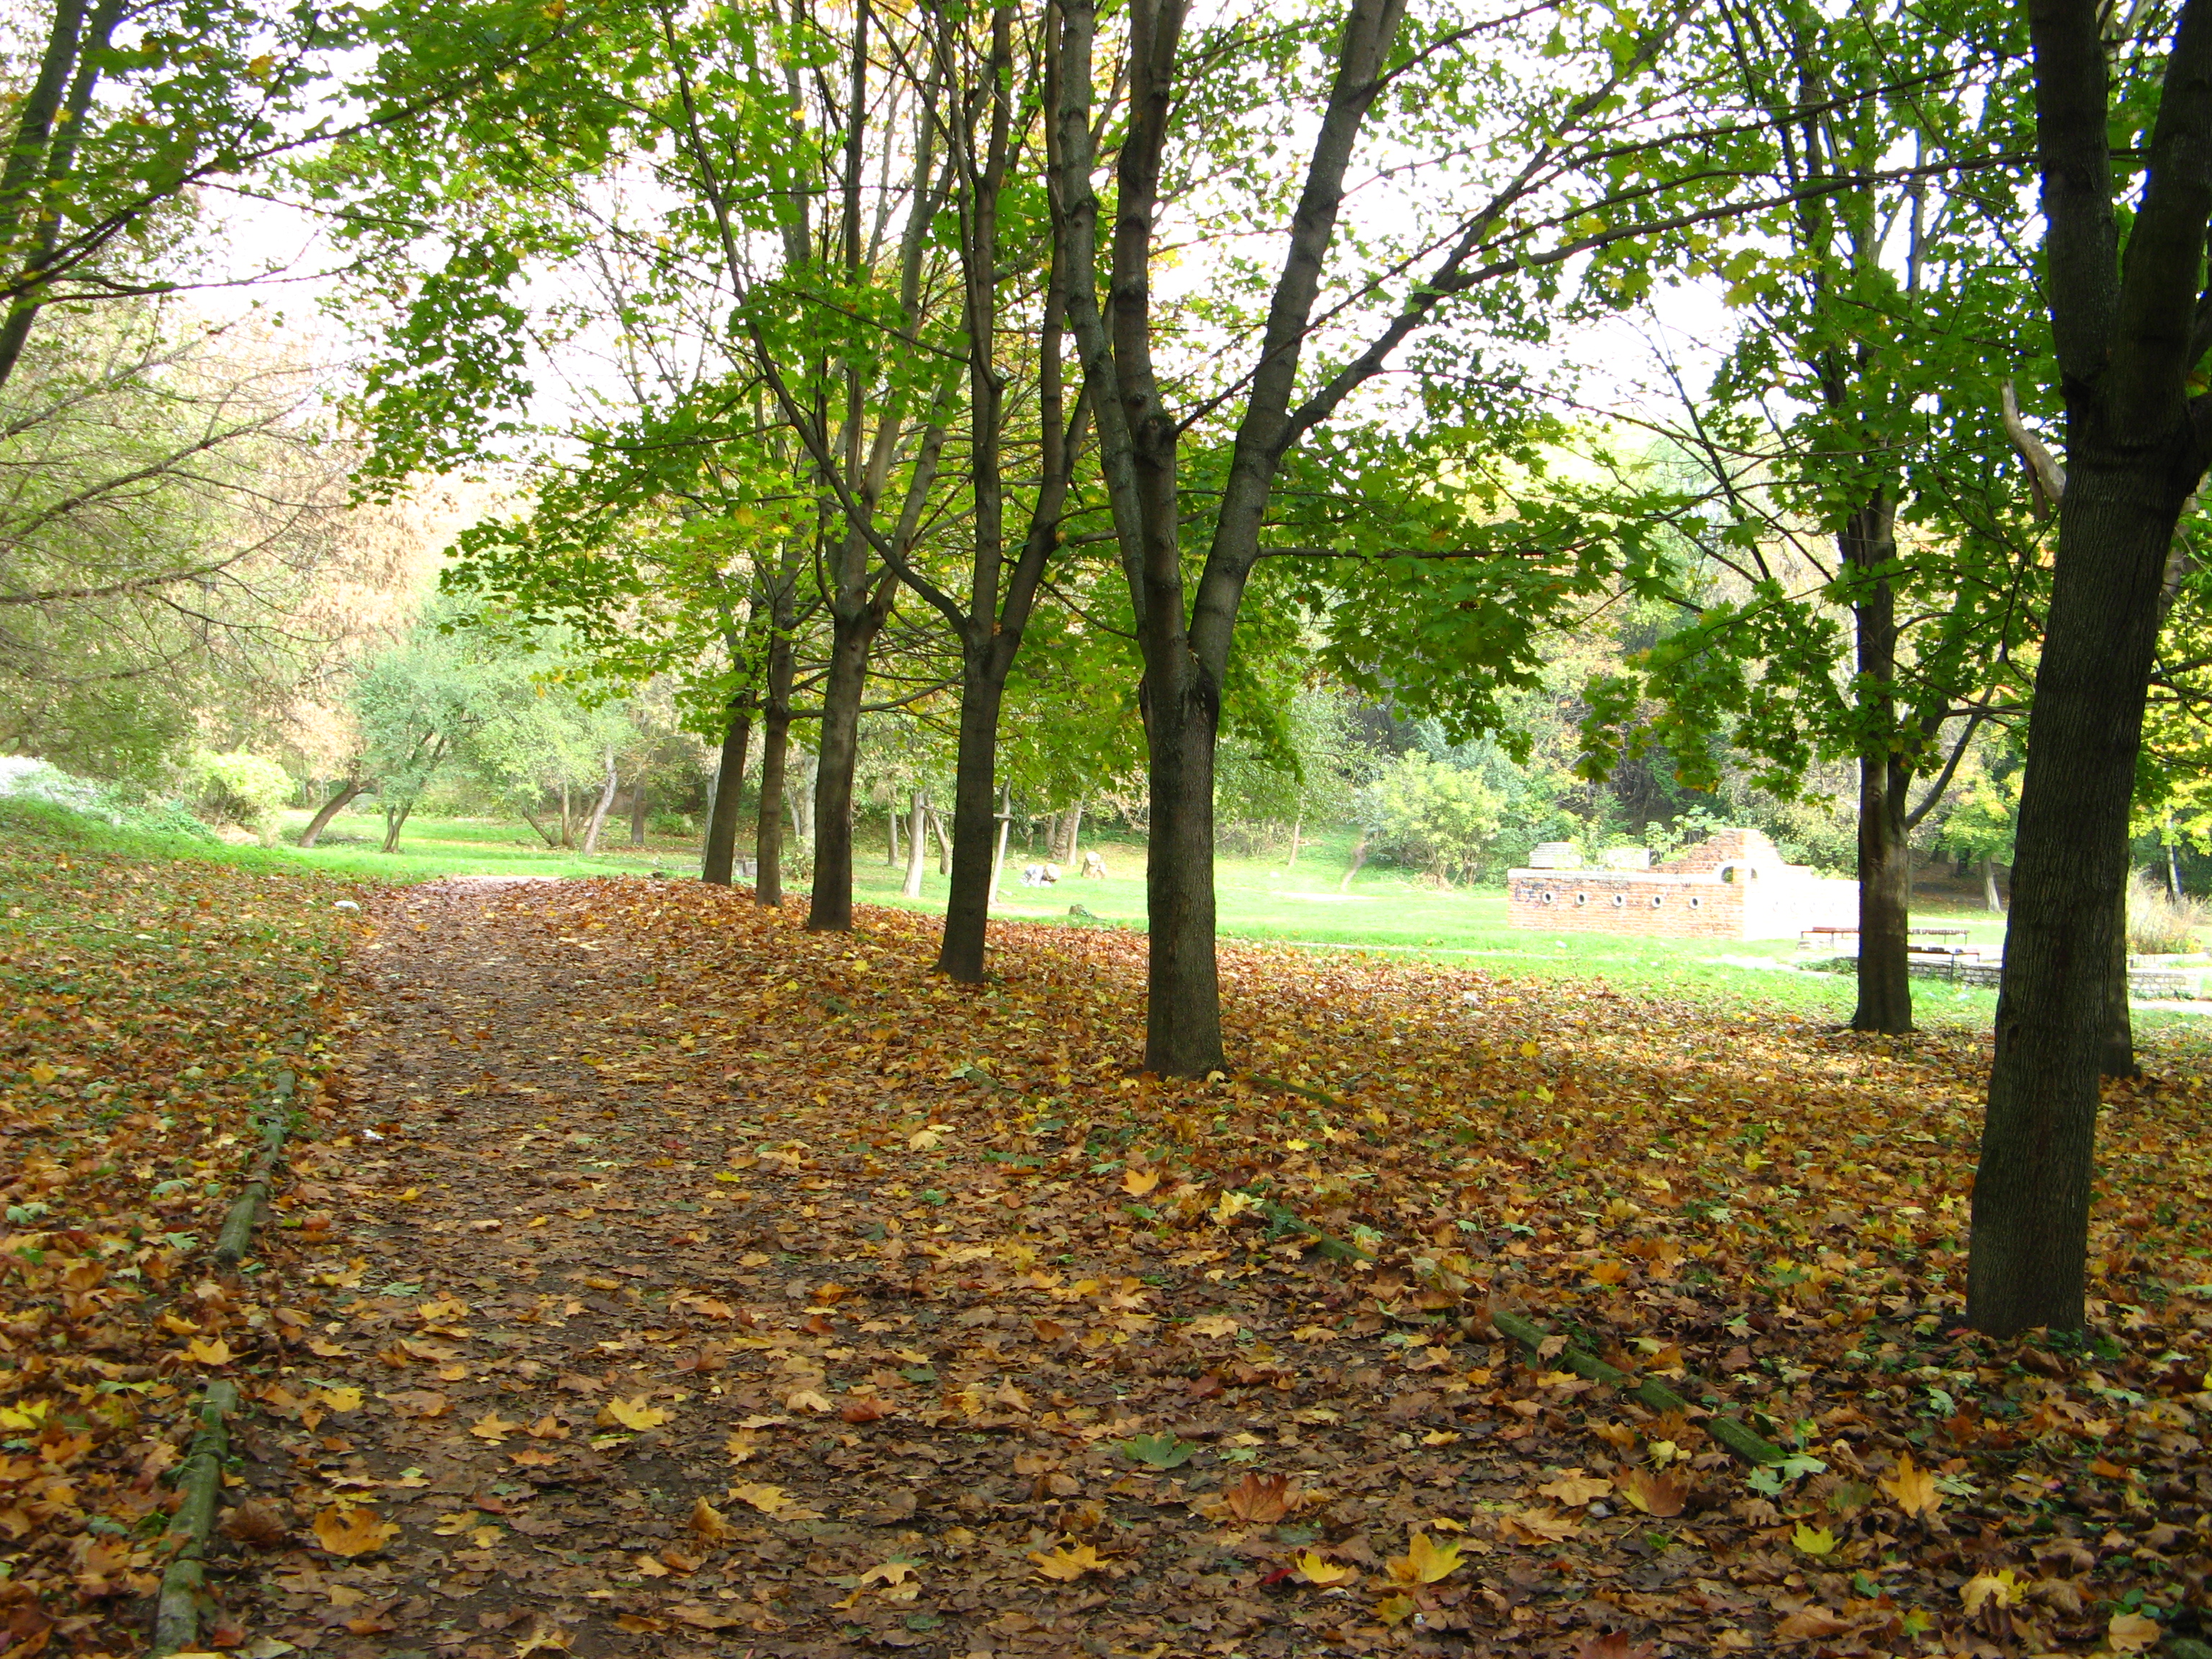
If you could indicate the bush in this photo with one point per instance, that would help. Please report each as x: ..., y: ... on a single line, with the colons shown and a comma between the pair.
x: 27, y: 779
x: 2159, y: 924
x: 670, y: 823
x: 243, y: 789
x: 1440, y: 818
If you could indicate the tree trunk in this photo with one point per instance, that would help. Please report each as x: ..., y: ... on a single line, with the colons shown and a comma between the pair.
x: 637, y: 811
x: 2055, y: 1021
x: 998, y: 857
x: 723, y: 815
x: 1359, y: 857
x: 393, y: 822
x: 917, y: 837
x: 1297, y: 822
x: 977, y: 855
x: 2119, y: 1055
x: 2173, y: 873
x: 1183, y: 1012
x: 943, y: 843
x: 1867, y: 544
x: 568, y: 830
x: 599, y: 811
x: 1990, y: 901
x: 891, y: 835
x: 550, y: 841
x: 348, y: 793
x: 776, y: 747
x: 1075, y: 836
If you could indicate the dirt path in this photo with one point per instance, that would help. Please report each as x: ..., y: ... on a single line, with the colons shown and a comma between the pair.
x: 669, y: 1280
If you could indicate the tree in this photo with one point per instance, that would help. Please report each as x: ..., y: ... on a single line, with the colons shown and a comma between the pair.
x: 1442, y: 817
x: 2128, y: 329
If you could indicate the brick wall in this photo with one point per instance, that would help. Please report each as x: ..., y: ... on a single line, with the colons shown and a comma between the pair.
x: 1733, y: 886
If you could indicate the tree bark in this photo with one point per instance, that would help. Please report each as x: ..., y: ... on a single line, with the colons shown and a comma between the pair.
x: 977, y: 855
x: 831, y: 907
x: 1075, y: 836
x: 637, y: 811
x: 2126, y: 338
x: 998, y: 857
x: 943, y: 843
x: 2119, y: 1056
x: 1297, y: 822
x: 568, y: 831
x: 1991, y: 901
x: 393, y: 823
x: 1867, y: 545
x: 348, y: 793
x: 599, y: 811
x: 728, y: 808
x: 891, y: 833
x: 551, y: 842
x: 776, y: 746
x: 917, y: 836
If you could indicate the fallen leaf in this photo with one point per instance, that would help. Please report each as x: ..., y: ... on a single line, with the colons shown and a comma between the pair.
x: 1913, y: 1490
x: 1315, y: 1570
x: 2005, y: 1587
x: 1660, y: 1495
x: 1067, y: 1563
x: 768, y: 1500
x: 1261, y: 1500
x: 1138, y: 1182
x: 1574, y: 1489
x: 492, y: 1427
x: 2130, y: 1632
x: 348, y: 1532
x: 1813, y: 1541
x: 1425, y: 1561
x: 631, y: 1414
x: 708, y: 1523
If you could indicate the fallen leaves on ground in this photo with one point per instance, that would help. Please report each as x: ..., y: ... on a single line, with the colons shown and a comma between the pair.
x: 869, y: 1239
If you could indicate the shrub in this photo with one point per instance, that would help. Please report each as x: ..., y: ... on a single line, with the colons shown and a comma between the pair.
x: 35, y: 779
x: 670, y: 823
x: 2159, y: 924
x: 247, y: 790
x: 1441, y: 817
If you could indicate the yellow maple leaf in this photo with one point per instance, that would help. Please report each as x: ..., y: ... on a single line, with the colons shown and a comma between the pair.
x: 1574, y: 1489
x: 741, y: 1445
x: 1424, y: 1561
x: 1068, y: 1563
x: 202, y: 1351
x: 492, y: 1426
x: 631, y: 1414
x: 708, y: 1523
x: 768, y: 1500
x: 2005, y: 1588
x: 346, y: 1399
x: 344, y: 1530
x: 1912, y: 1489
x: 42, y: 1073
x: 1315, y: 1571
x: 1138, y: 1182
x: 1813, y: 1541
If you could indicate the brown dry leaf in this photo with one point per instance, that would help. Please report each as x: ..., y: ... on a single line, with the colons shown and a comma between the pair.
x: 257, y: 1523
x: 1538, y: 1526
x: 1911, y: 1488
x: 1614, y: 1645
x: 863, y: 1408
x: 1654, y: 1493
x: 2130, y: 1632
x: 1262, y: 1499
x: 419, y: 1403
x: 709, y: 1523
x: 348, y: 1532
x: 1811, y: 1624
x: 1574, y: 1489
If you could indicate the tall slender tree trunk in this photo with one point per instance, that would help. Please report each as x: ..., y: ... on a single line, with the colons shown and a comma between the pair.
x: 567, y: 829
x: 1183, y: 1013
x: 831, y: 908
x: 1297, y: 822
x: 1991, y: 901
x: 394, y: 821
x: 348, y: 792
x: 917, y: 837
x: 2174, y: 871
x: 728, y: 808
x: 1075, y: 836
x: 978, y: 852
x: 891, y: 833
x: 999, y: 857
x: 943, y: 843
x: 775, y: 748
x: 637, y: 811
x: 1885, y: 1004
x: 599, y: 811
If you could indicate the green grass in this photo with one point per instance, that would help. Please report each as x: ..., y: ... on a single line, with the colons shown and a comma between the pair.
x: 1386, y: 912
x: 1391, y: 912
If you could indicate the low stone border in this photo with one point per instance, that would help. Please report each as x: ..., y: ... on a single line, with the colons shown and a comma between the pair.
x: 184, y: 1598
x: 184, y: 1586
x: 1656, y: 1395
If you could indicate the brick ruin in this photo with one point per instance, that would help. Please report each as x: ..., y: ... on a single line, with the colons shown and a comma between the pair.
x: 1734, y: 884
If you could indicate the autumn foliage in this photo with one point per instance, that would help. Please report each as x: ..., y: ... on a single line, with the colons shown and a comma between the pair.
x: 665, y: 1270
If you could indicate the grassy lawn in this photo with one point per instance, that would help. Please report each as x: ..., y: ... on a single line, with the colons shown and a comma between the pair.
x: 1389, y: 911
x: 1385, y: 912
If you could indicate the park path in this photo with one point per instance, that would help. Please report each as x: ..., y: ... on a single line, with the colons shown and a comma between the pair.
x: 649, y: 1296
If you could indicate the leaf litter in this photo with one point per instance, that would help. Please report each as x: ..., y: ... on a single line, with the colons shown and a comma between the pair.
x: 727, y: 1287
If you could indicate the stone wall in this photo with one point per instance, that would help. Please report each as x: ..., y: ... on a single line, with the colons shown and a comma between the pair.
x: 1734, y: 884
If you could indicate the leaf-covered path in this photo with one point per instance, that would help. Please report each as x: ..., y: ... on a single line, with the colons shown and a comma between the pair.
x: 669, y: 1279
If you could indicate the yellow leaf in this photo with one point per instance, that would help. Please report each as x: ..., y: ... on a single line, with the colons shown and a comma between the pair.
x: 631, y: 1414
x: 2005, y: 1588
x: 1214, y: 1325
x: 806, y: 1400
x: 709, y: 1523
x: 178, y: 1327
x: 42, y: 1073
x: 1424, y: 1561
x: 2130, y: 1632
x: 1912, y: 1489
x: 1138, y: 1182
x: 1067, y: 1564
x: 1813, y: 1540
x: 741, y: 1445
x: 1529, y: 1051
x: 208, y: 1352
x: 1315, y: 1571
x: 346, y: 1398
x: 1395, y: 1610
x: 492, y: 1426
x: 1574, y: 1489
x: 347, y: 1531
x: 768, y: 1500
